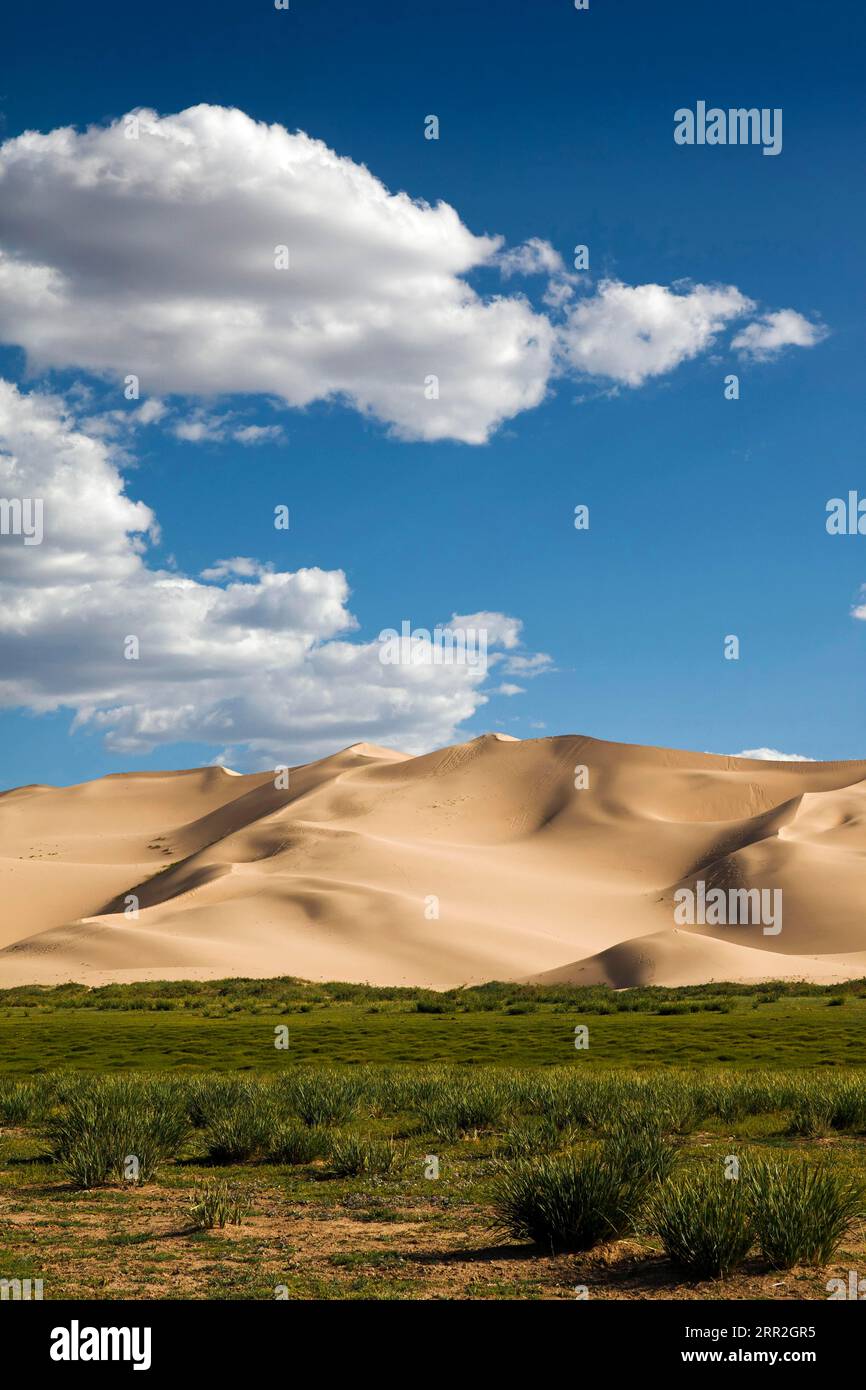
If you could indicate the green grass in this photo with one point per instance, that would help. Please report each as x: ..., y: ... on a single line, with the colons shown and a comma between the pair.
x: 220, y: 998
x: 234, y: 995
x: 802, y: 1211
x: 579, y: 1199
x: 795, y: 1031
x: 294, y: 1142
x: 326, y: 1144
x: 313, y: 1197
x: 243, y: 1130
x: 218, y: 1204
x: 116, y: 1129
x: 353, y: 1155
x: 703, y: 1222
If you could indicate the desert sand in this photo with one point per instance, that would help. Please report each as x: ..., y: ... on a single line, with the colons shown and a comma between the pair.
x: 342, y: 875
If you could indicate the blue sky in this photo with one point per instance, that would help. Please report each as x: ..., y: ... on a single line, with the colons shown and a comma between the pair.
x: 707, y: 515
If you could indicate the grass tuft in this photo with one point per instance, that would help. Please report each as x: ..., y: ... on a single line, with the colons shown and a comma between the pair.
x: 702, y: 1220
x: 218, y: 1204
x: 801, y: 1212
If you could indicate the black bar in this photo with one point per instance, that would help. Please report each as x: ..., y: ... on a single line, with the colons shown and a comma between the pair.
x: 255, y: 1338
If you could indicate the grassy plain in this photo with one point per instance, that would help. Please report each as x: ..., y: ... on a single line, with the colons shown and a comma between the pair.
x: 474, y: 1078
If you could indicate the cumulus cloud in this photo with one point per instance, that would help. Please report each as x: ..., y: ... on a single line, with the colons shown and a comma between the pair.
x: 245, y: 656
x: 210, y: 254
x: 505, y: 632
x: 770, y: 334
x: 96, y: 531
x: 532, y: 257
x: 772, y: 755
x: 632, y: 332
x: 537, y: 257
x: 156, y: 255
x: 501, y: 631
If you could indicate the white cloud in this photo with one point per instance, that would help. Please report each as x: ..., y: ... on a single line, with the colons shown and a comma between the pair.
x: 534, y: 664
x: 538, y: 257
x: 532, y: 257
x: 150, y: 412
x: 501, y: 630
x: 632, y: 332
x: 258, y: 434
x: 260, y: 661
x: 196, y: 426
x: 199, y: 429
x: 241, y: 567
x: 507, y: 689
x: 114, y: 424
x: 156, y: 256
x: 768, y: 335
x: 772, y: 755
x: 204, y: 427
x: 97, y: 532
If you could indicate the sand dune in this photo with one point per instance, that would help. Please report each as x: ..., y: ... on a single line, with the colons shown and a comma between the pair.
x: 476, y: 862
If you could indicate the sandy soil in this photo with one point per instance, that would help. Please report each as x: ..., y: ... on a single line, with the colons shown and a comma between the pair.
x: 476, y: 862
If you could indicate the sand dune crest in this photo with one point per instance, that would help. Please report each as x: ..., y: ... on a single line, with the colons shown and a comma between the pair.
x: 479, y: 861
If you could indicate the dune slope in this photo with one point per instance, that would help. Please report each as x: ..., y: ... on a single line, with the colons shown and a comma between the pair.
x: 476, y: 862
